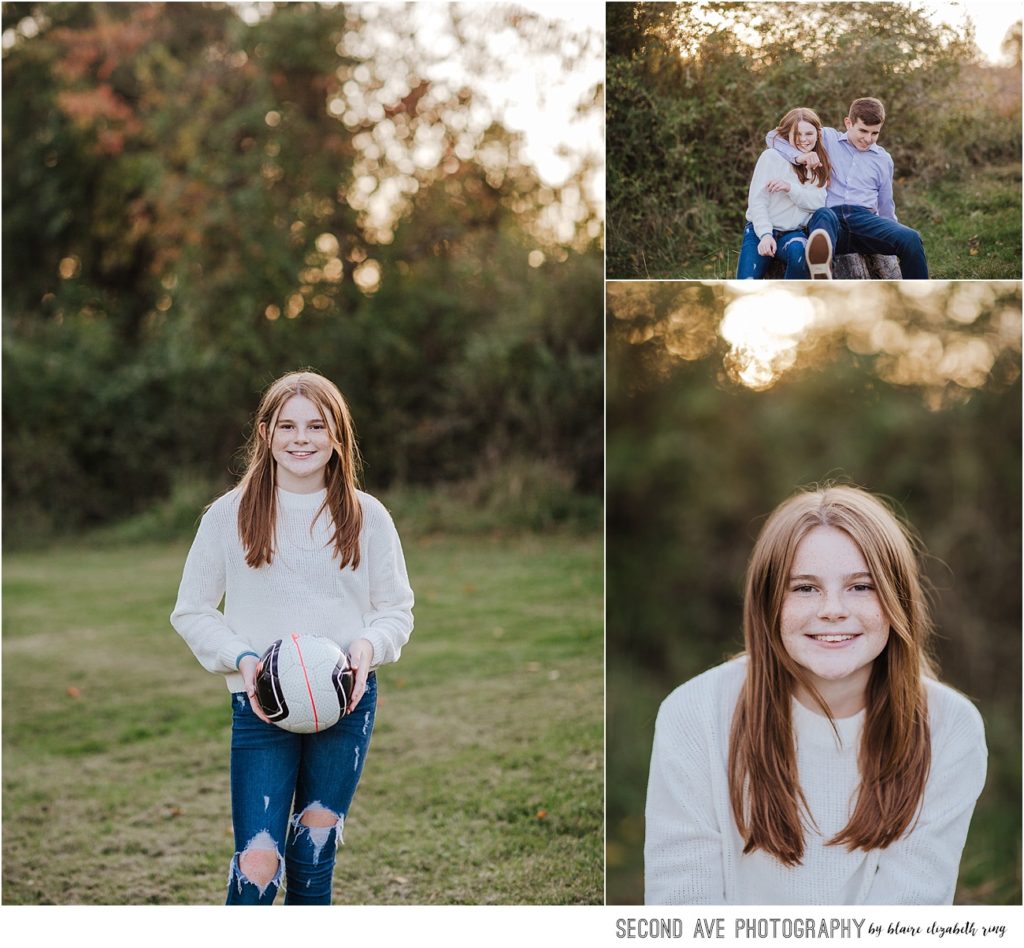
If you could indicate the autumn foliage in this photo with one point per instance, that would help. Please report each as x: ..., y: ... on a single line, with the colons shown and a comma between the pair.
x: 194, y: 204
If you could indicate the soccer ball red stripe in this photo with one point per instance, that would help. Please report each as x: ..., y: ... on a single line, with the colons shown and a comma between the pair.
x: 305, y: 675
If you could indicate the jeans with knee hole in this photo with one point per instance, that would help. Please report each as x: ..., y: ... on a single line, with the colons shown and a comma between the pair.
x: 789, y: 248
x: 275, y: 777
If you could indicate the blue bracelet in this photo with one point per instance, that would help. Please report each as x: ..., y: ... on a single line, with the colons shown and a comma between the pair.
x: 241, y: 655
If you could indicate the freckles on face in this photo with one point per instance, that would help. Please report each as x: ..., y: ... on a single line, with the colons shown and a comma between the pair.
x: 832, y: 621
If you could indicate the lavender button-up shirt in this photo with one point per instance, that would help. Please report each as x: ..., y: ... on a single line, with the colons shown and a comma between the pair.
x: 862, y: 178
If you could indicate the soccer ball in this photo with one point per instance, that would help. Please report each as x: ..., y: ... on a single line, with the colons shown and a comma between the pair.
x: 304, y: 683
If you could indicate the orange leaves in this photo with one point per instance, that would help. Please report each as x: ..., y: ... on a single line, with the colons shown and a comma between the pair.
x: 86, y: 106
x: 104, y: 46
x: 90, y: 59
x: 103, y: 109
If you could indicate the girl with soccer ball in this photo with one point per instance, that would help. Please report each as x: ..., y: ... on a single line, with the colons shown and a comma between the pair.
x: 294, y: 546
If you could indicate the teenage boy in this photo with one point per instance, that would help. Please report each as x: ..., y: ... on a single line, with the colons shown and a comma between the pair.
x: 859, y: 215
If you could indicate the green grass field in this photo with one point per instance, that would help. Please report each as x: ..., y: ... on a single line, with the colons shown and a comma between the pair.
x: 483, y: 785
x: 970, y: 223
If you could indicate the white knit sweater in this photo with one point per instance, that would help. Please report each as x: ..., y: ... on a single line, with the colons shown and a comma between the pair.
x: 302, y: 590
x: 780, y: 210
x: 694, y: 853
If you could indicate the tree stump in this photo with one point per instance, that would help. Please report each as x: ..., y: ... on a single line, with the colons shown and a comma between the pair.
x: 866, y: 266
x: 851, y: 266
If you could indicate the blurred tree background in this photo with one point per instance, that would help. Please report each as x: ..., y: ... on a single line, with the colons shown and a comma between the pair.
x: 694, y: 87
x: 722, y: 400
x: 199, y: 197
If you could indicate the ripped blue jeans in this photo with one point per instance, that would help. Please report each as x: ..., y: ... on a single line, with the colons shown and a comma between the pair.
x: 290, y: 793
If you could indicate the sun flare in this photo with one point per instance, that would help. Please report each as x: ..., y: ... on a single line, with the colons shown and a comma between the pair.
x: 764, y: 332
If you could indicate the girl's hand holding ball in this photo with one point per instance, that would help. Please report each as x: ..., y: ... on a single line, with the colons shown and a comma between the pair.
x: 360, y: 656
x: 248, y: 666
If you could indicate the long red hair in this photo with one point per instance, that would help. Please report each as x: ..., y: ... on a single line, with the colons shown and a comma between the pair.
x: 257, y: 510
x: 895, y: 752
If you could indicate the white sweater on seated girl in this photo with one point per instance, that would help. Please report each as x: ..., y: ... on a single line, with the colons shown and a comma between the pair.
x: 694, y: 853
x: 781, y: 210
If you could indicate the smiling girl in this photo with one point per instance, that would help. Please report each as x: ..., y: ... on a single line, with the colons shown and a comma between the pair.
x: 295, y: 547
x: 827, y: 764
x: 781, y: 200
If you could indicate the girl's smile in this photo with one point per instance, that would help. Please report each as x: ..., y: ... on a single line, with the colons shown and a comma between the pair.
x: 832, y: 640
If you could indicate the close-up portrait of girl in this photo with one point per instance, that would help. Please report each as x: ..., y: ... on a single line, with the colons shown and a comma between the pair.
x: 827, y: 764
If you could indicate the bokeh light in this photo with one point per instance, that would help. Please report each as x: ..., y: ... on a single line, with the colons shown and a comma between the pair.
x: 945, y: 338
x: 764, y: 332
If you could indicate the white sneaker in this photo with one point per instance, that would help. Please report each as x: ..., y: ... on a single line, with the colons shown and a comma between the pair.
x: 819, y: 255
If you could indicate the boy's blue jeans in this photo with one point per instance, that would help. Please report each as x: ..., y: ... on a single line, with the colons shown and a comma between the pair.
x: 789, y: 248
x: 271, y: 767
x: 857, y: 230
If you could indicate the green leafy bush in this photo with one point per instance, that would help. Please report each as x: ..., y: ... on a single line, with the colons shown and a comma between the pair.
x: 185, y: 220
